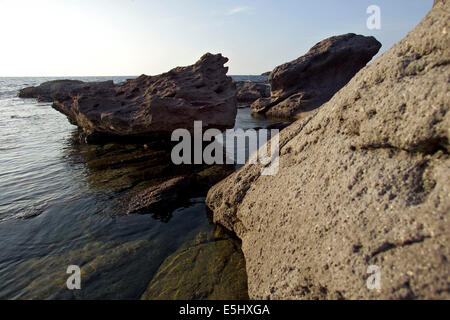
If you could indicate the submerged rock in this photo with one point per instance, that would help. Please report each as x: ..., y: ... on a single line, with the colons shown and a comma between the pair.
x: 152, y: 106
x: 362, y: 182
x: 311, y: 80
x: 209, y: 267
x: 42, y: 278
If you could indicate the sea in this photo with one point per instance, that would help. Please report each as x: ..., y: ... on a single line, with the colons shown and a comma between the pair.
x: 60, y: 206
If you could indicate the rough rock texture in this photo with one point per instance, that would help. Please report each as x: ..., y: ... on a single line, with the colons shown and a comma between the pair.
x: 152, y: 105
x: 364, y: 181
x: 248, y: 92
x: 311, y: 80
x: 47, y: 90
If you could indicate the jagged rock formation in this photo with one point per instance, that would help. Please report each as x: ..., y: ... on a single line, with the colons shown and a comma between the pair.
x: 363, y: 181
x: 311, y: 80
x: 154, y: 105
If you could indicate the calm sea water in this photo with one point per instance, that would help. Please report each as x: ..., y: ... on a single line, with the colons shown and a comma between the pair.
x: 58, y: 207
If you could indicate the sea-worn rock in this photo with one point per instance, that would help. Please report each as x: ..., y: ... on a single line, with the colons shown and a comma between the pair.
x: 311, y: 80
x: 209, y: 267
x: 248, y: 92
x: 160, y: 196
x: 164, y: 197
x: 42, y: 278
x: 46, y: 91
x: 362, y: 182
x: 154, y: 105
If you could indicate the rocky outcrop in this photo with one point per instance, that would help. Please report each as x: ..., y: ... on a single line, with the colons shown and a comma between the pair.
x: 249, y: 92
x: 363, y: 181
x: 154, y: 105
x: 311, y: 80
x: 47, y: 90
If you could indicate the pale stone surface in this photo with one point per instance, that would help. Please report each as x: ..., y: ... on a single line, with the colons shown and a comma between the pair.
x: 363, y: 181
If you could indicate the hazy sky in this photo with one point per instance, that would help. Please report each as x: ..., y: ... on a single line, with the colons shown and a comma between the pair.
x: 131, y: 37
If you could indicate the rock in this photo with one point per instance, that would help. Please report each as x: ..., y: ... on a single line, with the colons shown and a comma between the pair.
x: 165, y: 195
x: 162, y: 198
x: 266, y: 73
x: 125, y: 168
x: 47, y: 90
x: 311, y: 80
x: 99, y: 262
x: 154, y: 106
x: 206, y: 268
x: 363, y: 181
x: 248, y: 92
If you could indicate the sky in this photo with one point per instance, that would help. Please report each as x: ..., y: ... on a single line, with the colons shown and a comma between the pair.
x: 133, y: 37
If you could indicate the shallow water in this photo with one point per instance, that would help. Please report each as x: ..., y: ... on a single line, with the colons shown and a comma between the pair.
x: 60, y: 206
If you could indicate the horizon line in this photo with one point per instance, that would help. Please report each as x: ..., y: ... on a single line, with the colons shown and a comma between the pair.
x: 93, y: 76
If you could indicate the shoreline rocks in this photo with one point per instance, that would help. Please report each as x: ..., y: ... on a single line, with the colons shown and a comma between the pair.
x: 311, y: 80
x: 163, y: 198
x: 248, y: 92
x: 159, y: 197
x: 46, y: 91
x: 149, y: 106
x: 362, y: 182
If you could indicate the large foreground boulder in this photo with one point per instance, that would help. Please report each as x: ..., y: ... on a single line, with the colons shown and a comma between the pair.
x: 365, y: 181
x: 154, y: 105
x: 311, y: 80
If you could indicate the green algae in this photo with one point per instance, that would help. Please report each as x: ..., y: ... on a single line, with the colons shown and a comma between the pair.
x: 211, y: 266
